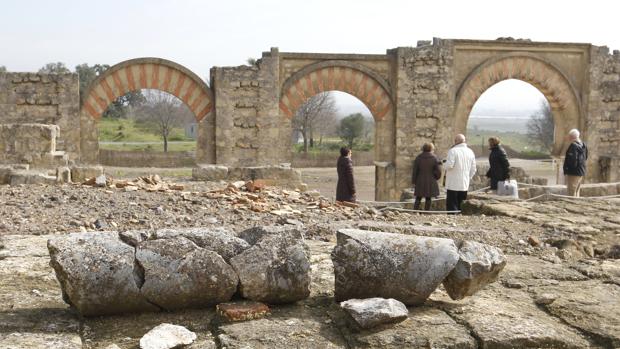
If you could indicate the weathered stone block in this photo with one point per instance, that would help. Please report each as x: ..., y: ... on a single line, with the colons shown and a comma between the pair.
x: 404, y: 267
x: 83, y: 172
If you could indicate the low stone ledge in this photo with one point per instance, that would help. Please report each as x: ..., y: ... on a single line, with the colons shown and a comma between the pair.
x: 280, y: 175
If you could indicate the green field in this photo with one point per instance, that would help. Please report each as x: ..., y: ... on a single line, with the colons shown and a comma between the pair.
x: 126, y: 130
x: 517, y: 141
x: 159, y: 147
x: 125, y: 134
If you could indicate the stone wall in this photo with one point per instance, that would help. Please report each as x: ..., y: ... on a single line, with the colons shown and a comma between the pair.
x: 146, y: 159
x: 328, y: 159
x: 32, y: 144
x: 53, y: 99
x: 603, y: 122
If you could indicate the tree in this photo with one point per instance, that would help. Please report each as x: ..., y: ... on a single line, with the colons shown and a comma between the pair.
x: 162, y: 112
x: 316, y: 111
x: 55, y: 68
x: 119, y: 107
x: 351, y: 128
x: 251, y: 61
x: 540, y: 128
x: 2, y: 69
x: 88, y: 74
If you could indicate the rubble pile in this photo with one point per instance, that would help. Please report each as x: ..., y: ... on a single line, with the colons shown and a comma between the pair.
x: 150, y: 183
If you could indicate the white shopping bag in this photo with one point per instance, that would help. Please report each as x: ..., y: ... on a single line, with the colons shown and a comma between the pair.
x: 508, y: 188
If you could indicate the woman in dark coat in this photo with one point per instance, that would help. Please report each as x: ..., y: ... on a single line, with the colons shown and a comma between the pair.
x: 499, y: 169
x: 426, y: 172
x: 345, y: 189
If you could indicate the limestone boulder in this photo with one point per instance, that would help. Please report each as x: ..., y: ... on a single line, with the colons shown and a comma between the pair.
x: 275, y: 270
x: 479, y: 265
x: 408, y: 268
x: 167, y: 336
x: 372, y: 312
x: 97, y: 273
x: 179, y: 274
x: 219, y: 240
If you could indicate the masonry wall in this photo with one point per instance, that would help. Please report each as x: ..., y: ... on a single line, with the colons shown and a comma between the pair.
x: 250, y: 131
x: 603, y: 121
x: 423, y: 102
x: 53, y: 99
x: 32, y: 144
x: 146, y: 159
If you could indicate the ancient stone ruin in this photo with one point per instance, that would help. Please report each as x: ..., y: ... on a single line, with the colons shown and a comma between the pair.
x: 416, y: 94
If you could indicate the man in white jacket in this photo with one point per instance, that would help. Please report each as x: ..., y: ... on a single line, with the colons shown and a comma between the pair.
x: 460, y: 168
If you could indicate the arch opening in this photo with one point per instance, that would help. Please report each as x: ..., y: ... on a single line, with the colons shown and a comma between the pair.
x: 117, y: 85
x: 322, y: 125
x: 544, y: 76
x: 521, y: 117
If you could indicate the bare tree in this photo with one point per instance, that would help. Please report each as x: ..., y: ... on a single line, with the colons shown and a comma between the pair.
x: 161, y: 113
x: 317, y: 110
x: 540, y: 127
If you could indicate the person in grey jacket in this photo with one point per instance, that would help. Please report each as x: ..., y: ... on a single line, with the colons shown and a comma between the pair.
x: 426, y: 172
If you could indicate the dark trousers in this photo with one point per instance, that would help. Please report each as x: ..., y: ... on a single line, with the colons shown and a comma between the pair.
x: 454, y: 199
x: 418, y: 200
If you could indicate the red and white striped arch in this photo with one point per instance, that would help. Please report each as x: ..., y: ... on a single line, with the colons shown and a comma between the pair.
x: 367, y: 87
x: 148, y: 73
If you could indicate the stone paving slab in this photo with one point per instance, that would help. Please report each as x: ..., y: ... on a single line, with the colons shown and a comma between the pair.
x: 596, y: 311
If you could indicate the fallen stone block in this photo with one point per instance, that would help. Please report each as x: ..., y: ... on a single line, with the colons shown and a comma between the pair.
x: 97, y: 273
x: 167, y: 336
x: 408, y: 268
x: 478, y: 266
x: 241, y: 311
x: 372, y: 312
x: 275, y: 270
x: 82, y: 173
x: 63, y: 175
x: 179, y: 274
x: 30, y: 177
x: 210, y: 173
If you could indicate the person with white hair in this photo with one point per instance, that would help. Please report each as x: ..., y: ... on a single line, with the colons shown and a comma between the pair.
x: 575, y: 163
x: 460, y: 168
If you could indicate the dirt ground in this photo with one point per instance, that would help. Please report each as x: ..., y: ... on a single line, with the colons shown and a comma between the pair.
x: 324, y: 179
x: 560, y: 288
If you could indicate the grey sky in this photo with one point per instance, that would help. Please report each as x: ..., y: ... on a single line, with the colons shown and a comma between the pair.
x: 202, y: 34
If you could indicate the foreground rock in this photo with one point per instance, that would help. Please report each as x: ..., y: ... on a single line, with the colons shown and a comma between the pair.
x: 478, y: 266
x: 97, y: 273
x: 276, y: 269
x: 404, y: 267
x: 179, y: 274
x: 372, y: 312
x: 167, y: 336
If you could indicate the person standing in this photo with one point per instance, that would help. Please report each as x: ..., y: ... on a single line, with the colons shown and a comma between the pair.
x: 575, y: 163
x: 426, y: 172
x: 499, y: 167
x: 345, y: 189
x: 460, y: 169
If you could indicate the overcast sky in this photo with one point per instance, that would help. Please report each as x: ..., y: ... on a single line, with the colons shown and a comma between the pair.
x: 202, y: 34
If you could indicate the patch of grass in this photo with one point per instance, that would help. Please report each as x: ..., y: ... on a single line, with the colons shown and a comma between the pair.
x: 517, y: 141
x: 127, y: 130
x: 159, y: 147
